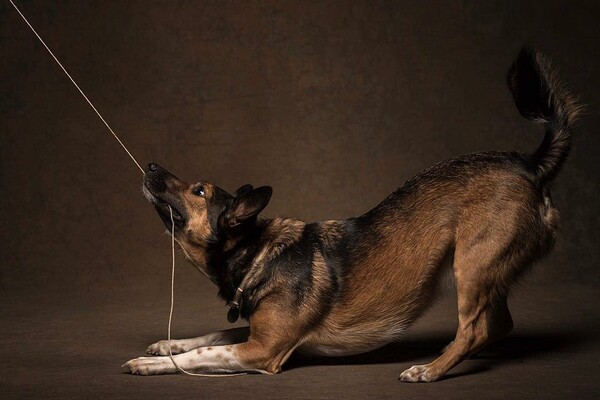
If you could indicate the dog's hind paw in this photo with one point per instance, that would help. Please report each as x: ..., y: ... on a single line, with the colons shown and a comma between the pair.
x: 161, y: 348
x: 419, y: 373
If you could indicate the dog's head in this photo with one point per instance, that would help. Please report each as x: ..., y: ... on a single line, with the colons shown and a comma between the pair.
x: 204, y: 215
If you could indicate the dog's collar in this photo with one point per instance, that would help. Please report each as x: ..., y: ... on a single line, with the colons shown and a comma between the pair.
x: 235, y: 305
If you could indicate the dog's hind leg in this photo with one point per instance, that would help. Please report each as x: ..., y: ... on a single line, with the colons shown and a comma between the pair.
x: 482, y: 276
x: 229, y: 336
x: 497, y: 323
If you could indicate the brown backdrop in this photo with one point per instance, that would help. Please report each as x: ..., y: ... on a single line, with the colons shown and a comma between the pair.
x: 334, y: 104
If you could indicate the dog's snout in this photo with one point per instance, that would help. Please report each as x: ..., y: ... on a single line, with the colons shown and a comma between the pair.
x: 158, y: 178
x: 155, y: 178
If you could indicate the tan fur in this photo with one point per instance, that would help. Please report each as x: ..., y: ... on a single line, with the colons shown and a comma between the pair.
x: 198, y: 229
x: 275, y: 333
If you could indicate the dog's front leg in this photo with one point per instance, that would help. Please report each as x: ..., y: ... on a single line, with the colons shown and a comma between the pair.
x: 275, y: 332
x: 209, y: 359
x: 229, y: 336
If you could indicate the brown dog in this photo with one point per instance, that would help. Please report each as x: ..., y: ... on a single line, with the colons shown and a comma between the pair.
x: 346, y: 287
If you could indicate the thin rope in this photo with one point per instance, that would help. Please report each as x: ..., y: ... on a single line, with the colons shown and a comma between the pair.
x: 171, y: 311
x: 77, y: 86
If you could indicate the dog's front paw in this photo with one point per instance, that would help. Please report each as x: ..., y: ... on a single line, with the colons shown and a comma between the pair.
x: 161, y: 348
x: 149, y: 366
x: 419, y: 373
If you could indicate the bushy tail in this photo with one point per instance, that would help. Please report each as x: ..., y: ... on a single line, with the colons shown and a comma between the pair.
x: 540, y: 97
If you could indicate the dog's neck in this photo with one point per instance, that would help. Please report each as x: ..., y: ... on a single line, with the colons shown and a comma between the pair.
x: 237, y: 261
x: 230, y: 260
x: 235, y: 304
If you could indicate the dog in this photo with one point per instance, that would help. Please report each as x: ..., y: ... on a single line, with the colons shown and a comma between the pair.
x: 343, y: 287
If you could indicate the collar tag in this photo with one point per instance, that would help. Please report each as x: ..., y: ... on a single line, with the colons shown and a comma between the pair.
x: 233, y: 314
x: 234, y: 306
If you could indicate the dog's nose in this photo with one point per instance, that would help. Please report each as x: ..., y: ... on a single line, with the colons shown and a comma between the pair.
x: 153, y: 167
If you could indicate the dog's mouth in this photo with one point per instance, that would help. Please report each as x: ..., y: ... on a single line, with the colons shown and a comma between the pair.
x: 162, y: 207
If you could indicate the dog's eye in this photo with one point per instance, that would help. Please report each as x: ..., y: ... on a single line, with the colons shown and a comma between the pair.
x: 199, y: 191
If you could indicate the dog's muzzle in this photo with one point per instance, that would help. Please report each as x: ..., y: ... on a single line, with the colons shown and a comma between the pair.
x: 156, y: 190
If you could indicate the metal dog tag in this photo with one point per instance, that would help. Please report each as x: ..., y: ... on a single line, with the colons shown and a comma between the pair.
x: 233, y: 314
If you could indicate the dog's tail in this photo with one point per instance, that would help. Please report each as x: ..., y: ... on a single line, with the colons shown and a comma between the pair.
x: 540, y: 97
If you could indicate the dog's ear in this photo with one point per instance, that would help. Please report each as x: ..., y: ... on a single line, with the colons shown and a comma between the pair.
x: 245, y: 207
x: 242, y: 190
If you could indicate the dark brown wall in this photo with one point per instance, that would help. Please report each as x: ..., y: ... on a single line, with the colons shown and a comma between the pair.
x: 334, y: 104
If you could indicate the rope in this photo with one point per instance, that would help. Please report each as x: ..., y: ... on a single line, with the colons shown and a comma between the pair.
x: 77, y: 86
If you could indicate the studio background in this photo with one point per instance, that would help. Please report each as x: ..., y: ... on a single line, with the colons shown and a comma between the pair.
x: 334, y: 104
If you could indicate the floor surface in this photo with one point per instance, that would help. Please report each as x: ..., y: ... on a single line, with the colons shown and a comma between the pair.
x: 58, y: 346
